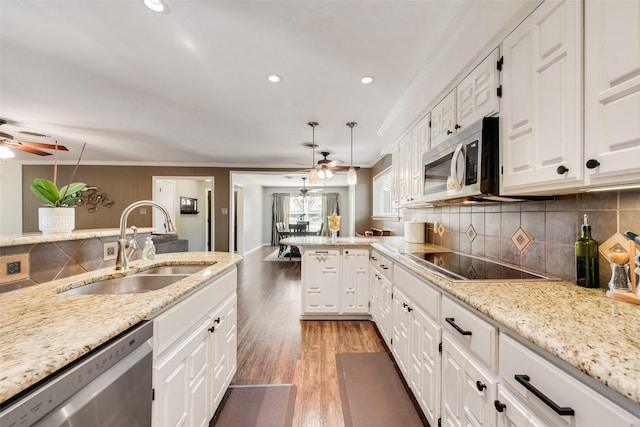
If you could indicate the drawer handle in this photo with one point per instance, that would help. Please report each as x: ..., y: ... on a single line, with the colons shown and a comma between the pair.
x: 212, y: 329
x: 524, y: 380
x: 217, y: 320
x: 480, y: 386
x: 374, y: 258
x: 384, y: 267
x: 500, y: 407
x: 452, y: 322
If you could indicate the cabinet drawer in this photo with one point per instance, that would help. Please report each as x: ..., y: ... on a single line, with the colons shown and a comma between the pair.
x: 537, y: 381
x: 374, y: 259
x: 419, y: 292
x: 470, y: 331
x: 179, y: 319
x: 386, y: 267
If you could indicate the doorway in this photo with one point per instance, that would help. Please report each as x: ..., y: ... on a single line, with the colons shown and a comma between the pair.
x: 198, y: 227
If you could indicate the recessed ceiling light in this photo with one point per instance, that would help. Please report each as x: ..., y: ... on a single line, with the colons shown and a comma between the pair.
x: 366, y: 80
x: 274, y: 78
x: 155, y: 5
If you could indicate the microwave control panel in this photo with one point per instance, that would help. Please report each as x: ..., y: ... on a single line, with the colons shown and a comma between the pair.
x: 471, y: 156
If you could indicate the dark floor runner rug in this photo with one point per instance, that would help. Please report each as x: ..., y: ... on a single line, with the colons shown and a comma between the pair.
x: 268, y: 405
x: 372, y: 392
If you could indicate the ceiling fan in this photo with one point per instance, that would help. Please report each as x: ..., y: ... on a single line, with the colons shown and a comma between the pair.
x: 304, y: 191
x: 37, y: 148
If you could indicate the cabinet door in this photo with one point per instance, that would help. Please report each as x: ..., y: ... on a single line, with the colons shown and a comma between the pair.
x: 386, y: 310
x: 477, y: 93
x: 401, y: 324
x: 453, y: 362
x: 443, y: 119
x: 223, y: 347
x: 612, y: 90
x: 405, y: 170
x: 176, y: 377
x: 355, y: 284
x: 424, y: 364
x: 395, y: 176
x: 420, y: 136
x: 199, y: 363
x: 321, y: 279
x: 374, y: 295
x: 513, y: 413
x: 542, y: 101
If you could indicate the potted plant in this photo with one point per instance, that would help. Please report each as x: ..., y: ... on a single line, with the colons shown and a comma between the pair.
x: 57, y: 214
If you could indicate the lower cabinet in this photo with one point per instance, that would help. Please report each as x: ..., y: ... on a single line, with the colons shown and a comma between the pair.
x: 545, y: 392
x: 335, y: 282
x: 195, y: 344
x: 382, y: 305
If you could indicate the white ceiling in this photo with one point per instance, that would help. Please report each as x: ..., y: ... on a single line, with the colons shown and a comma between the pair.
x: 189, y: 86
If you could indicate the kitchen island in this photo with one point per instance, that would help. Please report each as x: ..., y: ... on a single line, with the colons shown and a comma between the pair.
x: 593, y: 338
x: 43, y: 330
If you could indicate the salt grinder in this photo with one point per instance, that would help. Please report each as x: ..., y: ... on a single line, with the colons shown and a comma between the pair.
x: 619, y: 271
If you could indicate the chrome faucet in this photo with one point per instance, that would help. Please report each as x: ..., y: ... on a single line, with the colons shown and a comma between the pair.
x: 122, y: 262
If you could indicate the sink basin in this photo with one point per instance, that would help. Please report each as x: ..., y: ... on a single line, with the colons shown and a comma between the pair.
x: 134, y: 284
x: 174, y: 269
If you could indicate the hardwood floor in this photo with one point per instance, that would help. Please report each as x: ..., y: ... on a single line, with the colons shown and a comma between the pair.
x: 276, y: 347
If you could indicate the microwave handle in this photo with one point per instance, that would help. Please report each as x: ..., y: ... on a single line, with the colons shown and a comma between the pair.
x: 457, y: 185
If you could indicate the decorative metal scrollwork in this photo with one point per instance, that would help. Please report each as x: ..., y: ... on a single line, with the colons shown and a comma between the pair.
x: 92, y: 198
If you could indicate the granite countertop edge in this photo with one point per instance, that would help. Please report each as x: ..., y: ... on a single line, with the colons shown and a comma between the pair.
x: 42, y: 330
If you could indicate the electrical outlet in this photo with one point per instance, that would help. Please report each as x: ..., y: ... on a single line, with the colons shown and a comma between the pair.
x: 109, y: 251
x: 14, y: 267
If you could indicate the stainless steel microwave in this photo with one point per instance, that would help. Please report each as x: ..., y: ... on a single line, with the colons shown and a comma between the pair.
x: 464, y: 167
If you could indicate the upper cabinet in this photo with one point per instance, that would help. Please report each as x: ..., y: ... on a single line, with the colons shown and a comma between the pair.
x: 478, y: 94
x: 542, y: 101
x: 475, y: 97
x: 612, y: 92
x: 407, y: 164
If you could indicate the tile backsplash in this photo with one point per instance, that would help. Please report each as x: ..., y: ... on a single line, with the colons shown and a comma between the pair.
x: 538, y: 236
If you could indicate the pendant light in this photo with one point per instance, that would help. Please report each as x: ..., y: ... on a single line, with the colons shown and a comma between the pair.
x: 304, y: 193
x: 352, y: 177
x: 313, y: 173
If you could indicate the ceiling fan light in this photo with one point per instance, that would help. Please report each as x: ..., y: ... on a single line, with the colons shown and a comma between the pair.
x: 352, y: 176
x: 5, y: 153
x: 313, y: 176
x: 325, y: 174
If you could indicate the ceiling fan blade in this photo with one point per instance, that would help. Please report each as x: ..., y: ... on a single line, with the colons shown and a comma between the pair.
x: 30, y: 150
x: 334, y: 163
x: 344, y: 168
x: 42, y: 145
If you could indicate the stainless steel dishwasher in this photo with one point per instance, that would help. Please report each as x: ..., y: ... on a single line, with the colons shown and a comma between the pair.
x: 111, y: 386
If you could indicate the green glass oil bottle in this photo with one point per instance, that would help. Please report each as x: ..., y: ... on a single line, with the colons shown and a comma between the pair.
x: 587, y: 274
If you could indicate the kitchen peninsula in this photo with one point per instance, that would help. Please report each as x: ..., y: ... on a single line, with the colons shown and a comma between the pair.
x: 43, y: 330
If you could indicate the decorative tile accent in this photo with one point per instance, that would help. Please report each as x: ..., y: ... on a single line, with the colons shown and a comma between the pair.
x: 440, y: 229
x: 471, y: 233
x: 471, y: 272
x: 520, y: 239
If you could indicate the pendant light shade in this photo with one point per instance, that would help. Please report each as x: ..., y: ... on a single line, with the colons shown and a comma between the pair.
x: 352, y: 177
x: 5, y: 153
x: 313, y: 173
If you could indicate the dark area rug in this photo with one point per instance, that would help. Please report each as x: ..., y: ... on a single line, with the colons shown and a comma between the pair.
x: 372, y: 393
x: 269, y: 405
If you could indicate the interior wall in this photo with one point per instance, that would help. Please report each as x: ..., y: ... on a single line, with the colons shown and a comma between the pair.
x: 124, y: 185
x: 11, y: 210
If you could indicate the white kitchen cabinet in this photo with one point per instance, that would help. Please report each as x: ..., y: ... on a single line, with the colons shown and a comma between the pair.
x: 443, y: 119
x: 194, y: 350
x: 382, y: 303
x: 552, y: 395
x: 401, y: 163
x: 416, y: 339
x: 355, y: 288
x: 468, y: 390
x: 542, y: 140
x: 420, y: 137
x: 321, y: 281
x: 512, y: 412
x: 396, y: 172
x: 612, y: 91
x: 476, y: 95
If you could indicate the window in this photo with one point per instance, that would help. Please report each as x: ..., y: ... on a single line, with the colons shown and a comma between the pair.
x: 307, y: 209
x: 383, y: 194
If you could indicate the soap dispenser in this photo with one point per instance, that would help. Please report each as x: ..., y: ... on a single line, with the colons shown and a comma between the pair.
x: 587, y: 274
x: 149, y: 250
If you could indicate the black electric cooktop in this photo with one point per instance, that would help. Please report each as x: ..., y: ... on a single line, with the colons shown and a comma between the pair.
x: 457, y: 266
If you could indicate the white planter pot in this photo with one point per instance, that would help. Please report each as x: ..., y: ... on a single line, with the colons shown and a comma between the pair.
x: 56, y: 220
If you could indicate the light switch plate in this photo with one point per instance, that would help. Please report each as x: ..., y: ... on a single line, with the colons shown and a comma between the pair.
x: 14, y: 267
x: 109, y: 251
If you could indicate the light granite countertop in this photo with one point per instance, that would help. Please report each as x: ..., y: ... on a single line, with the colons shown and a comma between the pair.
x: 42, y: 330
x: 582, y: 327
x: 327, y: 241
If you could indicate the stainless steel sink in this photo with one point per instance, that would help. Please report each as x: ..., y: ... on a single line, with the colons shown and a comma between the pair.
x: 174, y: 269
x: 134, y: 284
